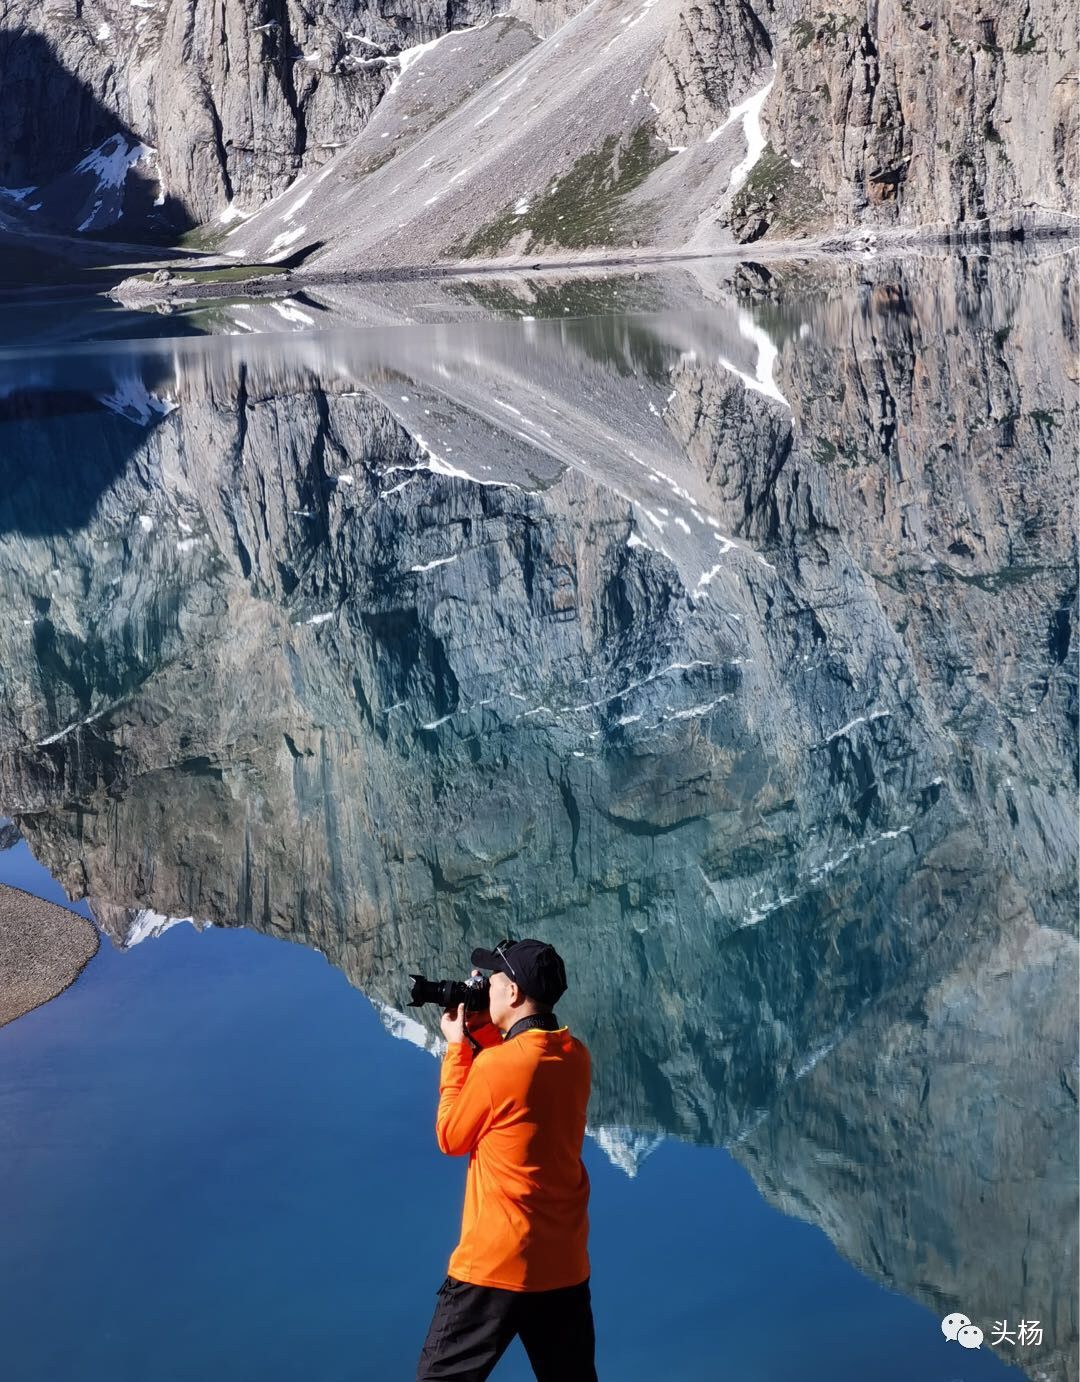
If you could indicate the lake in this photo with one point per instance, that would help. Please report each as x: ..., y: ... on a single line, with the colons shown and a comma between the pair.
x: 716, y: 624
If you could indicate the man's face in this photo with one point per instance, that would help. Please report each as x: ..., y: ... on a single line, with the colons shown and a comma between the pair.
x: 503, y: 995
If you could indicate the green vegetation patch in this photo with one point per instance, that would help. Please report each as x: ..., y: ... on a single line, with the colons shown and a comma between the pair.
x: 585, y: 207
x: 822, y: 28
x: 841, y: 453
x: 777, y: 198
x: 205, y: 237
x: 235, y: 273
x: 1046, y: 421
x: 576, y: 297
x: 232, y: 273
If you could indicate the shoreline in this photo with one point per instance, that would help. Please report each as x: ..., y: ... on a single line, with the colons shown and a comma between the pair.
x: 43, y: 950
x: 139, y: 292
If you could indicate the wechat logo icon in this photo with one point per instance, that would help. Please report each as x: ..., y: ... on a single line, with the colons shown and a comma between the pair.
x: 959, y: 1328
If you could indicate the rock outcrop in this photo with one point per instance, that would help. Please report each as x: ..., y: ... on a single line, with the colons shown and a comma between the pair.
x: 670, y: 123
x: 960, y: 117
x: 234, y: 100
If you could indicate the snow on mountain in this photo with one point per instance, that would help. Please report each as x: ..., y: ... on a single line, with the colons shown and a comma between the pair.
x: 405, y: 1028
x: 131, y: 398
x: 147, y: 924
x: 624, y: 1147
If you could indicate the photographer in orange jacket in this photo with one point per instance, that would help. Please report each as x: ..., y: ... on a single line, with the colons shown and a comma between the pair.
x: 512, y: 1097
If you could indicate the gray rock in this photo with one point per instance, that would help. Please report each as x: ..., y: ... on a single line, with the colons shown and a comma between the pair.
x: 928, y: 116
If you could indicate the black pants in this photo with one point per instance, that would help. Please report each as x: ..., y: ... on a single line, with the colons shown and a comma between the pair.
x: 473, y: 1326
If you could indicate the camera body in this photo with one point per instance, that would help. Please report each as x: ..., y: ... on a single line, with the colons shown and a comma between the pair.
x: 448, y: 993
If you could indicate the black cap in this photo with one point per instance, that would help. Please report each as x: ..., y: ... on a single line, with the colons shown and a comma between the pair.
x: 535, y: 967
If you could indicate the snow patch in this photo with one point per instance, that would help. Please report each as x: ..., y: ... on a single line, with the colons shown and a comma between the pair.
x: 148, y: 923
x: 625, y: 1148
x: 439, y: 466
x: 233, y: 213
x: 406, y: 1028
x: 131, y: 399
x: 430, y: 565
x: 288, y: 215
x: 108, y: 164
x: 291, y: 312
x: 281, y: 242
x: 749, y: 112
x: 762, y: 380
x: 383, y: 494
x: 858, y: 720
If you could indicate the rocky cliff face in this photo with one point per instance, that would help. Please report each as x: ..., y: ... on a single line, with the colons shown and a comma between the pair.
x: 767, y: 698
x: 670, y: 123
x: 902, y: 115
x: 231, y: 101
x: 917, y: 1131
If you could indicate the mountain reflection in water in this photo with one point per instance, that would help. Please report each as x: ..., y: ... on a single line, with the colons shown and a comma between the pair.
x: 729, y: 645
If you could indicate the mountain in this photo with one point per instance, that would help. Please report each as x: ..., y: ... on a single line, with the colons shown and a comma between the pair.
x: 759, y: 700
x: 425, y: 135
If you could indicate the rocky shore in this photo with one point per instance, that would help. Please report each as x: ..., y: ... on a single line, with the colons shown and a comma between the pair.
x: 43, y: 949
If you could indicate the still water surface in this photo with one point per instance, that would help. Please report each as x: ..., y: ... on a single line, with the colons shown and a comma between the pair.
x: 718, y: 627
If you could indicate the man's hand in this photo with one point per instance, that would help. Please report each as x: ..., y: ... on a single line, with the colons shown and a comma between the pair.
x: 453, y: 1024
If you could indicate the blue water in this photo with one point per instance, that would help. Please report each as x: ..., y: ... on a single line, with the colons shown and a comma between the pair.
x: 215, y: 1163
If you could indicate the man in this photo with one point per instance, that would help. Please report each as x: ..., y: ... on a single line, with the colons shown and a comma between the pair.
x: 516, y: 1105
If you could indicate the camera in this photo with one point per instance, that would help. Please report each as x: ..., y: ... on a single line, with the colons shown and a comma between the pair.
x: 448, y: 993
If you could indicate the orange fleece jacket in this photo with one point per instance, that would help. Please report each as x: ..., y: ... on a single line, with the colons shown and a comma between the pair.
x: 518, y: 1109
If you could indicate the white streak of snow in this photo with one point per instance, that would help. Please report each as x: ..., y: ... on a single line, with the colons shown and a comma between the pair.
x: 749, y: 112
x: 288, y: 309
x: 131, y: 399
x: 859, y: 720
x: 762, y: 380
x: 430, y: 565
x: 148, y: 923
x: 282, y: 241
